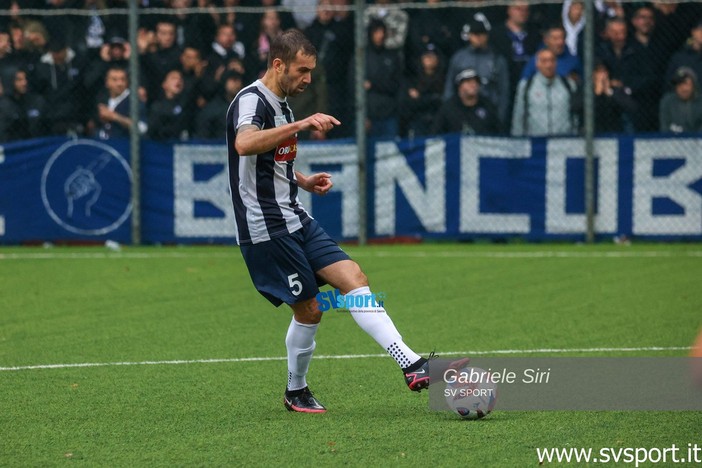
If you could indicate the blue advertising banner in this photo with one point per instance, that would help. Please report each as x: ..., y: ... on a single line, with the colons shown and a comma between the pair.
x: 54, y: 189
x: 454, y: 186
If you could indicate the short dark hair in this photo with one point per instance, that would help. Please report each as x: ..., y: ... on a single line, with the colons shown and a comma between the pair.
x: 118, y: 68
x: 285, y: 46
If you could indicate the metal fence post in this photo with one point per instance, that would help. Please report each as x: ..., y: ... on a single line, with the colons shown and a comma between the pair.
x: 360, y: 61
x: 589, y: 116
x: 134, y: 136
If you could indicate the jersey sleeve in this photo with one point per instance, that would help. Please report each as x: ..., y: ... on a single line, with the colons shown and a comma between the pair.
x: 252, y: 111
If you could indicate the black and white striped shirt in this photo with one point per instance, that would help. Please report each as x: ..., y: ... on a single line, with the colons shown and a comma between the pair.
x: 263, y: 186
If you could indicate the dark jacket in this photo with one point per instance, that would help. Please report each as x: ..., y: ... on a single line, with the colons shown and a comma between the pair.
x: 384, y: 71
x: 114, y: 130
x: 609, y: 110
x: 334, y: 48
x: 685, y: 57
x: 635, y: 68
x: 492, y: 70
x: 22, y: 117
x: 417, y: 114
x: 156, y: 66
x: 454, y: 117
x: 168, y: 118
x: 680, y: 116
x: 61, y: 85
x: 209, y: 123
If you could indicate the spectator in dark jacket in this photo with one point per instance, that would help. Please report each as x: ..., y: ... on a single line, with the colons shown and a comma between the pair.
x: 224, y: 48
x: 630, y: 66
x: 21, y: 111
x: 610, y: 102
x: 467, y: 111
x: 113, y: 53
x: 8, y: 63
x: 690, y: 55
x: 331, y: 37
x: 158, y: 63
x: 209, y: 122
x: 383, y: 76
x: 516, y: 41
x: 681, y: 109
x: 481, y: 57
x: 59, y: 78
x: 113, y: 107
x: 429, y: 26
x: 422, y: 94
x: 167, y: 117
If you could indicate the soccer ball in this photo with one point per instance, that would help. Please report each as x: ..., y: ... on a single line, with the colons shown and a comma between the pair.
x: 469, y: 396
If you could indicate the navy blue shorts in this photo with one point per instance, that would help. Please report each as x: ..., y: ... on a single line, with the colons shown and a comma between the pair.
x: 283, y: 269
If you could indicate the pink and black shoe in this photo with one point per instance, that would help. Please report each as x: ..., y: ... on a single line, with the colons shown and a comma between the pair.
x: 302, y: 401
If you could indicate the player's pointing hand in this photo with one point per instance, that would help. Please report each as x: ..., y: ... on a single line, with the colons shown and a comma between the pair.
x: 320, y: 122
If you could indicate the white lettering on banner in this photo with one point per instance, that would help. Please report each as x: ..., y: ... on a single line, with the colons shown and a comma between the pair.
x: 558, y: 151
x: 187, y: 191
x: 2, y: 218
x: 344, y: 180
x: 428, y: 203
x: 472, y: 150
x: 648, y: 187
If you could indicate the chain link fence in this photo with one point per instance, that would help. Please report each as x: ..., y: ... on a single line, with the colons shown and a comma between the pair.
x: 475, y: 68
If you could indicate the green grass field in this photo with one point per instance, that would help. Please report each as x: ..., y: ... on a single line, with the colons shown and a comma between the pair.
x: 162, y: 312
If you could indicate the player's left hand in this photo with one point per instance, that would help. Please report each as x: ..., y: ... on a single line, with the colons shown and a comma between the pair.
x: 320, y: 183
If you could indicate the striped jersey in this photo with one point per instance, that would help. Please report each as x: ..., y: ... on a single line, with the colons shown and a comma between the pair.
x: 263, y: 186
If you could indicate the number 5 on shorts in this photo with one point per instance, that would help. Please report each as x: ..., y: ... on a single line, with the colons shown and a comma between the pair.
x: 295, y: 285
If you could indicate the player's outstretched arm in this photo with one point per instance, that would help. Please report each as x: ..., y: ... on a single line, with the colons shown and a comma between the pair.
x: 319, y: 183
x: 250, y: 140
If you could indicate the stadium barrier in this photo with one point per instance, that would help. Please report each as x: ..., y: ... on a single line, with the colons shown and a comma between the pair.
x: 451, y: 187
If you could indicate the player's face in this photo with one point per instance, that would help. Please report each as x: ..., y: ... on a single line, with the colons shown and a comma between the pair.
x: 297, y: 75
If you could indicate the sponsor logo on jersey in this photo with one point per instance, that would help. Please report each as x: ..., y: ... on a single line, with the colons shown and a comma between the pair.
x: 287, y: 150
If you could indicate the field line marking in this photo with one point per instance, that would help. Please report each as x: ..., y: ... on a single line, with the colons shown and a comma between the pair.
x: 343, y: 356
x: 378, y: 254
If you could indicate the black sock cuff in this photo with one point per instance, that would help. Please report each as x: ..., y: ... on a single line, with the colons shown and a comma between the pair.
x: 415, y: 366
x: 293, y: 393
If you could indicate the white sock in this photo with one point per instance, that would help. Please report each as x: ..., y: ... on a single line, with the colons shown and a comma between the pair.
x: 376, y: 322
x: 300, y: 344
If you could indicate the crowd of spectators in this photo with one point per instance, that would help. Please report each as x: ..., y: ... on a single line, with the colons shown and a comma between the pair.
x: 498, y: 70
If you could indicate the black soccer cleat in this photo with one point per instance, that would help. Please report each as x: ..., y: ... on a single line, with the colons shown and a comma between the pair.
x: 417, y: 380
x: 302, y: 401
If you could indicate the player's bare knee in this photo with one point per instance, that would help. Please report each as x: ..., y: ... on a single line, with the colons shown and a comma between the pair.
x: 307, y: 312
x: 360, y: 278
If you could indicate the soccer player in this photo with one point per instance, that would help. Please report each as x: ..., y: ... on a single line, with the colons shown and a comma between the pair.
x: 287, y: 253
